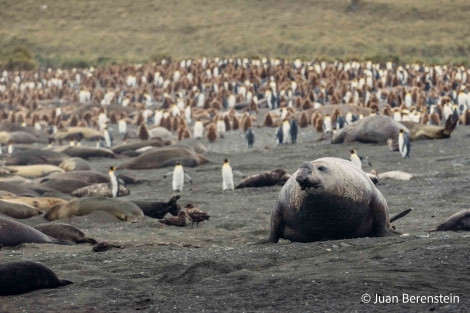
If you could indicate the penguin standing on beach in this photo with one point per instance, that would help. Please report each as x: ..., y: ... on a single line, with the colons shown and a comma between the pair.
x: 357, y: 159
x: 250, y: 138
x: 227, y: 176
x: 122, y: 126
x: 108, y: 139
x: 113, y: 182
x: 404, y: 143
x: 178, y: 177
x: 285, y: 131
x: 279, y: 135
x: 294, y: 129
x: 198, y: 130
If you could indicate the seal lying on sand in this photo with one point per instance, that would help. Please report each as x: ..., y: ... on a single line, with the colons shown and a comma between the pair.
x: 18, y: 210
x: 124, y: 210
x: 370, y: 129
x: 422, y: 131
x: 23, y: 276
x: 164, y: 157
x: 129, y: 148
x: 328, y: 199
x: 157, y: 209
x: 34, y: 170
x: 13, y: 233
x: 456, y: 222
x: 268, y: 178
x: 65, y: 232
x: 41, y: 203
x: 36, y: 156
x: 100, y: 190
x: 75, y: 164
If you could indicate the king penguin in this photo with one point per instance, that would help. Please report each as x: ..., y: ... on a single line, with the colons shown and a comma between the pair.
x: 294, y: 129
x: 122, y: 125
x: 404, y: 143
x: 198, y: 130
x: 357, y: 160
x: 285, y: 131
x: 107, y: 137
x: 114, y: 182
x: 250, y: 138
x: 178, y: 177
x: 227, y: 176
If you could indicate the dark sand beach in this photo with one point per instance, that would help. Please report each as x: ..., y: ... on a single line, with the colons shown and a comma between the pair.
x: 213, y: 268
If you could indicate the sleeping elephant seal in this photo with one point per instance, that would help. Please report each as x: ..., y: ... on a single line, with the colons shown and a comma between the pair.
x: 23, y: 276
x: 267, y: 178
x: 370, y: 129
x: 124, y: 210
x: 18, y: 210
x: 455, y: 222
x: 13, y: 233
x: 65, y: 232
x: 328, y: 199
x: 164, y: 157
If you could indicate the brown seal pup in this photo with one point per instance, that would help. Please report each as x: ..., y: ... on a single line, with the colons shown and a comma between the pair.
x: 164, y: 157
x: 65, y: 232
x: 328, y: 199
x: 268, y: 178
x: 18, y: 210
x: 24, y: 276
x: 456, y: 222
x: 158, y: 209
x: 13, y: 233
x: 422, y: 131
x: 124, y: 210
x: 370, y: 129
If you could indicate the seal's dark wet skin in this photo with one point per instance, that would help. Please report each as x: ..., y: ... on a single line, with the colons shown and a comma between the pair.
x: 304, y: 178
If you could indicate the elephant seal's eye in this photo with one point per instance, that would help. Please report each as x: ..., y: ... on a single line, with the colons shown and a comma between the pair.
x: 321, y: 168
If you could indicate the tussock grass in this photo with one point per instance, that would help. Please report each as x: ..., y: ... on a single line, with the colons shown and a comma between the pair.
x: 134, y: 31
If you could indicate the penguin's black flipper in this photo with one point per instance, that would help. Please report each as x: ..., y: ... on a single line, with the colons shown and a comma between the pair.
x: 400, y: 215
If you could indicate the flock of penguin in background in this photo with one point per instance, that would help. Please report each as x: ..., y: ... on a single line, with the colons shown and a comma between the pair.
x: 196, y: 98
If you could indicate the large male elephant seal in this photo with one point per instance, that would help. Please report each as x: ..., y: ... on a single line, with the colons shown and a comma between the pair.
x: 13, y: 233
x: 23, y: 276
x: 329, y: 199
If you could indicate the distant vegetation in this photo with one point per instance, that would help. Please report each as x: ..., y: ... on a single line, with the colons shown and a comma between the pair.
x: 82, y: 33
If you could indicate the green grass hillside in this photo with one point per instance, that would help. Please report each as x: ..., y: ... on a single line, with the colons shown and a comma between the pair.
x: 81, y: 32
